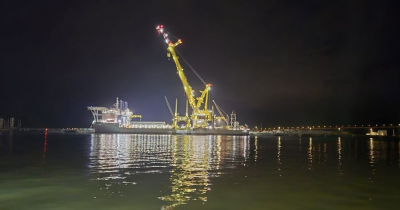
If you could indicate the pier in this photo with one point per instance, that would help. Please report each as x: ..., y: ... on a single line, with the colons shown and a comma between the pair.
x: 343, y: 130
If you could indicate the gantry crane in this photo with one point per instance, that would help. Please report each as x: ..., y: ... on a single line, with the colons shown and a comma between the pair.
x: 200, y: 116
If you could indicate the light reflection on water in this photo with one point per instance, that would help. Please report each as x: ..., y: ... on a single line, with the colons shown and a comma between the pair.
x: 197, y: 172
x: 339, y: 152
x: 279, y: 155
x: 310, y: 153
x: 190, y: 160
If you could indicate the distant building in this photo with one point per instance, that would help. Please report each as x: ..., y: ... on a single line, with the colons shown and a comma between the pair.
x: 1, y: 123
x: 12, y: 122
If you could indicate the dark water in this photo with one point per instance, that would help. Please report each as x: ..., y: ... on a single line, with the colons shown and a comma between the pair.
x: 53, y: 171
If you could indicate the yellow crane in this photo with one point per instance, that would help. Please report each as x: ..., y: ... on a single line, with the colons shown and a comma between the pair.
x: 222, y: 116
x: 176, y: 118
x: 136, y: 116
x: 200, y: 116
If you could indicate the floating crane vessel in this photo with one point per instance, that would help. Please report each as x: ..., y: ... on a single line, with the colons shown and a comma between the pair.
x: 202, y: 119
x: 118, y: 119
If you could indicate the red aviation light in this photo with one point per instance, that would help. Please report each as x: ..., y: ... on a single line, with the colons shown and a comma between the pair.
x: 180, y: 40
x: 160, y: 29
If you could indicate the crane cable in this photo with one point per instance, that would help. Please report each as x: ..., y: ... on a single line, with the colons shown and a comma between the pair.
x: 187, y: 63
x: 221, y: 110
x: 194, y: 71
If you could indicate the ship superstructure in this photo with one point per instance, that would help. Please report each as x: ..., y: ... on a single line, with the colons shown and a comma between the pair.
x: 118, y: 113
x: 120, y: 119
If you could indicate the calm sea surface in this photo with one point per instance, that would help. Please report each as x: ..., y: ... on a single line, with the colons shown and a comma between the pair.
x: 119, y: 171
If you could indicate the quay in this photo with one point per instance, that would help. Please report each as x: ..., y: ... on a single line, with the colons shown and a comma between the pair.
x: 51, y: 130
x: 370, y: 130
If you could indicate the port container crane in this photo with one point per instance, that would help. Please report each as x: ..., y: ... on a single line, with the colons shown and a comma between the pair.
x: 200, y: 116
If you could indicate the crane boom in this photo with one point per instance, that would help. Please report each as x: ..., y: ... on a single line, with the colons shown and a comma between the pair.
x: 188, y: 89
x: 220, y: 112
x: 199, y: 116
x: 204, y: 94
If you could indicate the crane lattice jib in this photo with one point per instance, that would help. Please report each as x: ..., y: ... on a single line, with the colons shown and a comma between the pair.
x: 188, y: 89
x: 199, y: 116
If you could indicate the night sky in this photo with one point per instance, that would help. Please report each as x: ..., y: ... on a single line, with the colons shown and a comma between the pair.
x: 279, y: 62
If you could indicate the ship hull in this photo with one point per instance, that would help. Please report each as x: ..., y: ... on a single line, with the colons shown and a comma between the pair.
x: 212, y: 132
x: 114, y: 128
